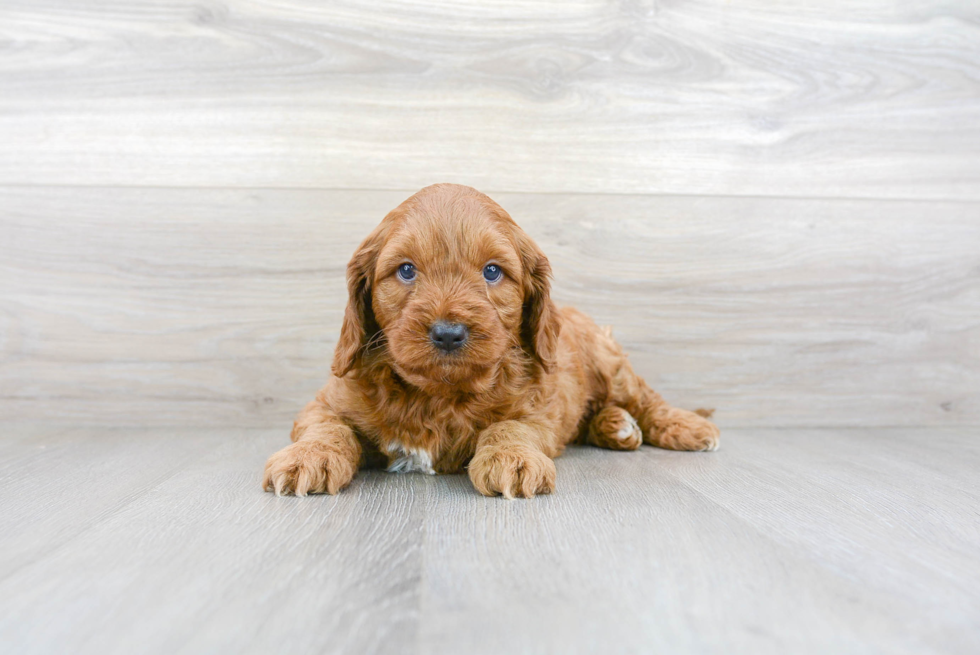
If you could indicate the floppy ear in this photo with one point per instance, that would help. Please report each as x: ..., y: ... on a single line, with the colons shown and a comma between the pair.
x: 541, y: 321
x: 359, y: 324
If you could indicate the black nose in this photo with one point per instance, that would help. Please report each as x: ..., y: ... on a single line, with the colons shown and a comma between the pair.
x: 447, y: 337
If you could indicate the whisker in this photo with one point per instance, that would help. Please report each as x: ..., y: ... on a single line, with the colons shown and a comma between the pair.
x: 376, y: 342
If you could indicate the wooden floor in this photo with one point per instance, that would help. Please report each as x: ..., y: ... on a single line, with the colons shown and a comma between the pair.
x: 822, y: 541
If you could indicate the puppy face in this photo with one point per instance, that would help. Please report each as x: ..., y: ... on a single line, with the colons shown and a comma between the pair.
x: 448, y: 286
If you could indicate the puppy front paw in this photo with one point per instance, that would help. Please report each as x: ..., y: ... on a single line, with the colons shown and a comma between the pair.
x: 308, y: 467
x: 512, y: 470
x: 684, y: 430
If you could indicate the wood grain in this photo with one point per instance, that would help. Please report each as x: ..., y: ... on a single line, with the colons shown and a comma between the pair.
x: 868, y: 99
x: 775, y: 205
x: 203, y: 560
x: 788, y: 541
x: 221, y: 307
x: 803, y: 541
x: 195, y: 307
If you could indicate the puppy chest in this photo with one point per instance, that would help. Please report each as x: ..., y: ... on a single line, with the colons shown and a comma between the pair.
x: 409, y: 459
x: 433, y: 448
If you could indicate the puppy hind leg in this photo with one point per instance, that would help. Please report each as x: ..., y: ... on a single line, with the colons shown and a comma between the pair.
x: 662, y: 425
x: 614, y: 428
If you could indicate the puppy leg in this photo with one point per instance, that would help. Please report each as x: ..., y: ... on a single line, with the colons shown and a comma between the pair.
x: 323, y: 458
x: 662, y: 425
x: 614, y: 428
x: 511, y: 460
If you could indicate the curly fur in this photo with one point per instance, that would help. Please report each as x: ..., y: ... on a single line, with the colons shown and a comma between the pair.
x: 530, y: 379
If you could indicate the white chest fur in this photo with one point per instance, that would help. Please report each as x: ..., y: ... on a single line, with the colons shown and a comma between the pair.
x: 407, y: 460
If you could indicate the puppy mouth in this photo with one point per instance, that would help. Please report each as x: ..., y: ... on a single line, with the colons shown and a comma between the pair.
x: 438, y: 364
x: 455, y: 368
x: 445, y: 380
x: 451, y: 358
x: 434, y: 360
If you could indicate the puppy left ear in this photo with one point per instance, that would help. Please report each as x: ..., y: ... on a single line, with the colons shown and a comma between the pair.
x: 542, y: 320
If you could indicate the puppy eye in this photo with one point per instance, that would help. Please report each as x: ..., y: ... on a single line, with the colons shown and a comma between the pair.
x: 406, y: 272
x: 492, y: 272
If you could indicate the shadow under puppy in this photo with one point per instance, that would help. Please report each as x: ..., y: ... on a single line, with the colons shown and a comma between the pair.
x: 452, y: 355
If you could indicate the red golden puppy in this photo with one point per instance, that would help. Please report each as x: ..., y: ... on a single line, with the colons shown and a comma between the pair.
x: 453, y: 356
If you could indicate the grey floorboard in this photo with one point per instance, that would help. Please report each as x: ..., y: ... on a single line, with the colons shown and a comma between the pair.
x: 205, y: 561
x: 845, y: 541
x: 211, y: 307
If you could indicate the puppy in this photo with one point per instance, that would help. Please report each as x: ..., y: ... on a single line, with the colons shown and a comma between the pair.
x: 452, y: 356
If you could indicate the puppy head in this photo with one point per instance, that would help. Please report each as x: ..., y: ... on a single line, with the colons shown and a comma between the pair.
x: 448, y: 284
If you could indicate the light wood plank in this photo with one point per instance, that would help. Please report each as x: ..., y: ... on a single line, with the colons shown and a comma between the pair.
x: 858, y: 495
x: 630, y: 555
x: 804, y: 541
x: 221, y: 307
x: 205, y: 561
x: 112, y: 467
x: 858, y: 99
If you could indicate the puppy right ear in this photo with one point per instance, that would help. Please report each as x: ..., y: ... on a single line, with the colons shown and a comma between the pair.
x: 542, y: 320
x: 359, y: 324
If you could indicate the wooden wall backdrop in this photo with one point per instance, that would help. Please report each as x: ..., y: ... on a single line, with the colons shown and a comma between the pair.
x: 776, y: 204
